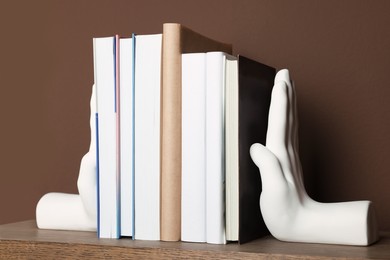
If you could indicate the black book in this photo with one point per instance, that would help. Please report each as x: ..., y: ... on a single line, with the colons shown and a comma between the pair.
x: 255, y: 83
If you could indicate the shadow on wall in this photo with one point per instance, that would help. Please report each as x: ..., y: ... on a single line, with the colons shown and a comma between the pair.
x: 321, y: 143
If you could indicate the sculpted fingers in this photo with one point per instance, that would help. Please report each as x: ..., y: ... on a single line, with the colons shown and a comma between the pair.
x: 283, y: 77
x: 278, y: 127
x: 269, y: 166
x: 295, y: 138
x: 289, y: 158
x: 277, y: 118
x: 292, y: 130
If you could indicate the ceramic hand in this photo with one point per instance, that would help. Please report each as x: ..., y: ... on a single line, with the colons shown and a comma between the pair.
x: 289, y: 213
x: 74, y: 211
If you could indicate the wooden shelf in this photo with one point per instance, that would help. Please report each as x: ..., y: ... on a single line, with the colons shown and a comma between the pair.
x: 24, y: 240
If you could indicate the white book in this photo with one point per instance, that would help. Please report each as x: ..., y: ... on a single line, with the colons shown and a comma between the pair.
x: 193, y: 200
x: 108, y: 170
x: 231, y: 145
x: 147, y: 136
x: 126, y: 134
x: 215, y: 148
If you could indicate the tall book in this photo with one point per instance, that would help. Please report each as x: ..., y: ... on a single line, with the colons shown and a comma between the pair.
x: 107, y: 86
x: 147, y: 136
x: 177, y: 39
x: 193, y: 195
x: 126, y: 103
x: 247, y: 107
x: 215, y: 147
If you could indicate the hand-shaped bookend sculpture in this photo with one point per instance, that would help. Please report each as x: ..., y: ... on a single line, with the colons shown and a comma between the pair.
x: 71, y: 211
x: 289, y: 213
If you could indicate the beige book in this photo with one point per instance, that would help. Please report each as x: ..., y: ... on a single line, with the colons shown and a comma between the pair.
x: 177, y: 39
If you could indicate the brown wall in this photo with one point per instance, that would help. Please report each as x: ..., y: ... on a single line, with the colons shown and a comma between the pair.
x: 338, y: 52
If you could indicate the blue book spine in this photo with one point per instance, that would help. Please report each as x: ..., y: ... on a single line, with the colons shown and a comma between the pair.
x: 97, y: 173
x: 133, y: 137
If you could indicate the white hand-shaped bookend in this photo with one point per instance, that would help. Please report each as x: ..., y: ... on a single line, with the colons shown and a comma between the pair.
x: 74, y: 211
x: 289, y: 213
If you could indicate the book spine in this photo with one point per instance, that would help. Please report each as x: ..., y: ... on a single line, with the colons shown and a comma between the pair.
x: 171, y: 134
x: 109, y: 226
x: 133, y: 135
x: 126, y: 136
x: 97, y: 176
x: 118, y: 134
x: 193, y: 207
x: 147, y: 137
x: 215, y: 146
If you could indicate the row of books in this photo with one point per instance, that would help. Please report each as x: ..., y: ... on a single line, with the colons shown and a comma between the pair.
x: 176, y: 115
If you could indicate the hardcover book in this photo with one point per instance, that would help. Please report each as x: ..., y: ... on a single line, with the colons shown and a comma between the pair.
x: 147, y: 136
x: 126, y: 144
x: 107, y: 82
x: 215, y: 148
x: 255, y: 82
x: 193, y: 196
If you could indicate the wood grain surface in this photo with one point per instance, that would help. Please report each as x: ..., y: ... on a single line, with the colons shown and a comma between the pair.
x: 23, y: 240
